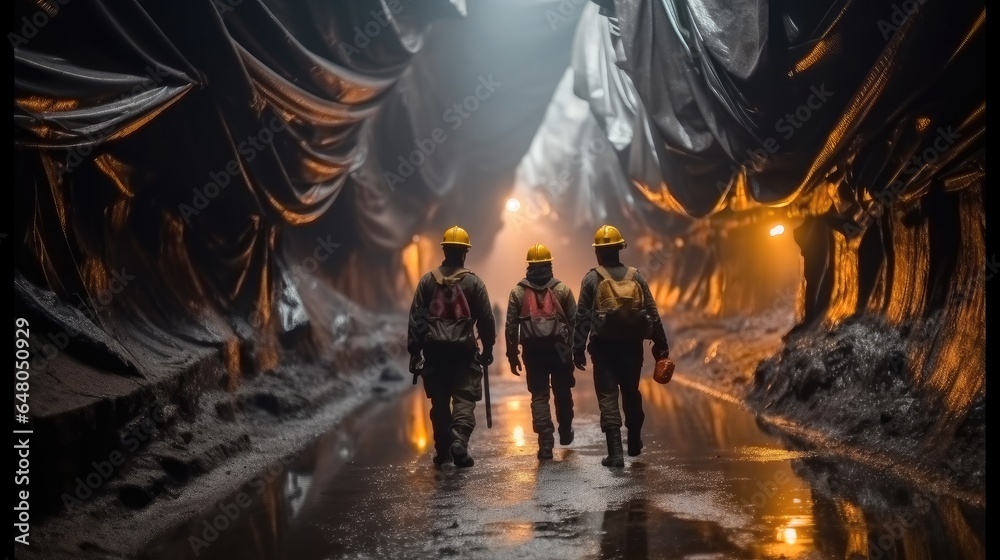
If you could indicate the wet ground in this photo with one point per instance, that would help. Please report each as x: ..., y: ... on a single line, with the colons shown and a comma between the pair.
x: 710, y: 483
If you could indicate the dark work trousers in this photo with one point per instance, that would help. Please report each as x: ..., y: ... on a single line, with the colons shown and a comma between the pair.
x: 617, y: 365
x: 546, y: 369
x: 454, y: 384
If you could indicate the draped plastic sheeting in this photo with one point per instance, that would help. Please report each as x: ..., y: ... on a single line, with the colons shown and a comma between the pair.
x: 207, y: 151
x: 594, y: 151
x: 836, y: 113
x: 186, y: 146
x: 863, y: 121
x: 722, y: 106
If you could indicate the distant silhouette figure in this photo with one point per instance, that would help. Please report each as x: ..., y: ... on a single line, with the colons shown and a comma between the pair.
x: 496, y: 316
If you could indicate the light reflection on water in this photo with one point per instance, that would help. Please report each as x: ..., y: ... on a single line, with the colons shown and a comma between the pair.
x: 518, y: 436
x: 709, y: 482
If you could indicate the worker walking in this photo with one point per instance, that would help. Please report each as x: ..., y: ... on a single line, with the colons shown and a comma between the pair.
x: 450, y: 306
x: 615, y: 314
x: 540, y: 315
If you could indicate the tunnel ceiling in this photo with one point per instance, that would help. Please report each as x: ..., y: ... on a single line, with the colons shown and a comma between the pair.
x: 201, y: 147
x: 719, y: 108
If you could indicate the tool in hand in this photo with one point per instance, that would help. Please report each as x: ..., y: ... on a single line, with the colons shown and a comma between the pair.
x: 486, y: 395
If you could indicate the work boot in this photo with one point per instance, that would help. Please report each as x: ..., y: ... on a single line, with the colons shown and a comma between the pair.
x: 465, y: 461
x: 460, y: 452
x: 442, y: 454
x: 615, y: 456
x: 545, y: 444
x: 441, y: 459
x: 634, y: 443
x: 565, y: 435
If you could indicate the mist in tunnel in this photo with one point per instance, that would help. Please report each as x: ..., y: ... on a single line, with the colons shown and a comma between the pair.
x: 229, y: 206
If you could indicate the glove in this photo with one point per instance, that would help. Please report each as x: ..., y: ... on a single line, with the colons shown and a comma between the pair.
x: 580, y: 361
x: 515, y: 365
x: 663, y: 371
x: 416, y: 364
x: 487, y: 356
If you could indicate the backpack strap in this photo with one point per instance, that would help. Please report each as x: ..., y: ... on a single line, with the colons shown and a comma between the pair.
x: 548, y: 285
x: 603, y: 273
x: 439, y: 276
x: 630, y: 273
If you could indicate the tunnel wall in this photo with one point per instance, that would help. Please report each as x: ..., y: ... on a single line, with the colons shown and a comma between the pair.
x: 215, y: 194
x: 185, y: 174
x: 226, y: 157
x: 924, y: 272
x: 861, y: 127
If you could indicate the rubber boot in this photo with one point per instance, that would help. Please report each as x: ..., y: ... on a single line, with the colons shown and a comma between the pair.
x: 460, y: 451
x: 616, y: 457
x: 441, y: 458
x: 565, y: 435
x: 634, y: 443
x: 545, y: 444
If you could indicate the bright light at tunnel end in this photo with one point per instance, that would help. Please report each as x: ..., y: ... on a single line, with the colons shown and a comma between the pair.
x: 513, y: 205
x: 777, y: 230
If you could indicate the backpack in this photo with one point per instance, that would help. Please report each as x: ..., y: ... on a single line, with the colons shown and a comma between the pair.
x: 449, y: 318
x: 542, y: 319
x: 619, y: 307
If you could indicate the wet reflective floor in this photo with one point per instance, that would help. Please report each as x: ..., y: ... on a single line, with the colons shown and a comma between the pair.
x: 710, y: 483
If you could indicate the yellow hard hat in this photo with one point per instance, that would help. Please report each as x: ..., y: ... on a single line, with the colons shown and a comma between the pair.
x: 539, y: 253
x: 607, y: 236
x: 456, y: 236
